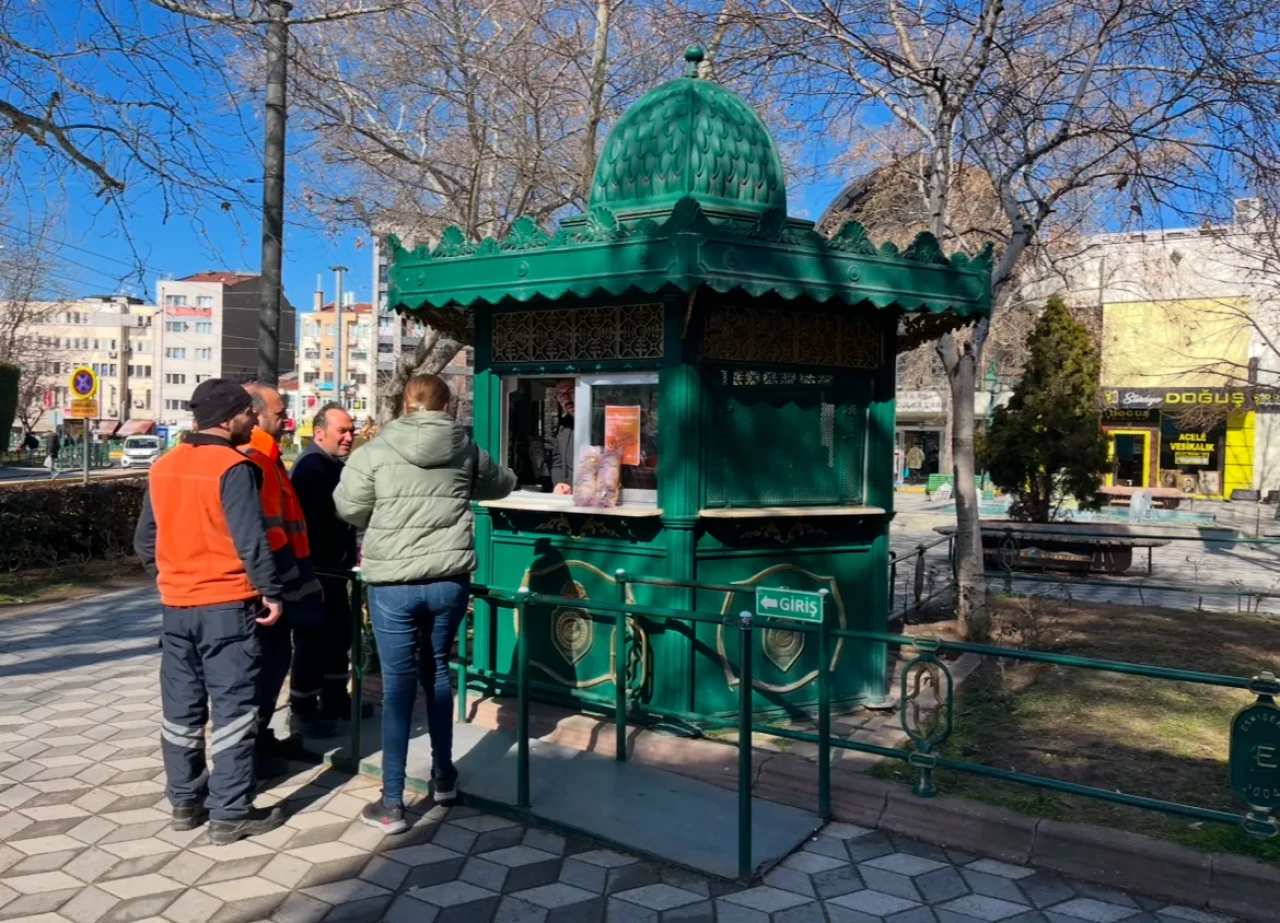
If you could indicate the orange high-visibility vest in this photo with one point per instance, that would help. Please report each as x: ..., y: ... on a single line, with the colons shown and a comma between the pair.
x: 286, y: 524
x: 195, y: 554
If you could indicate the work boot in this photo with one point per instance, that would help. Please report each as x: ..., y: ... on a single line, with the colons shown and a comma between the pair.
x: 188, y: 816
x: 337, y: 706
x: 271, y: 756
x: 312, y: 724
x: 223, y: 832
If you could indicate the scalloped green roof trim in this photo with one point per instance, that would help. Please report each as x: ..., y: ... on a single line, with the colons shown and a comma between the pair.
x: 597, y: 254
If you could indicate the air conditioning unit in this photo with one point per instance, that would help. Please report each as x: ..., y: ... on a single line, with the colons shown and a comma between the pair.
x: 138, y: 405
x: 113, y: 355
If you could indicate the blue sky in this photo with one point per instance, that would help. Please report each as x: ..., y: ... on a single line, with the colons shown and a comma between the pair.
x: 98, y: 258
x: 96, y: 251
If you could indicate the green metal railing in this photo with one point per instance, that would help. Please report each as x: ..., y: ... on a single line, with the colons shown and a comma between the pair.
x: 915, y: 558
x: 928, y: 725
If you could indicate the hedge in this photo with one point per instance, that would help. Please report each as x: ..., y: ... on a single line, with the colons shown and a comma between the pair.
x: 9, y: 376
x: 57, y: 524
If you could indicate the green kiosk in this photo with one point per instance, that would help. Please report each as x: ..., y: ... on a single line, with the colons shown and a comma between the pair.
x: 737, y: 366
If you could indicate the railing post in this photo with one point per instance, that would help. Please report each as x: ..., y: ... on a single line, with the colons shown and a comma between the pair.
x: 620, y: 671
x: 745, y: 684
x: 917, y: 586
x: 824, y: 710
x: 357, y: 668
x: 522, y: 702
x: 893, y: 579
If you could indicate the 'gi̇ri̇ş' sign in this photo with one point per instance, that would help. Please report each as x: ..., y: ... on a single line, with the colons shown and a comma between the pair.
x: 1262, y: 399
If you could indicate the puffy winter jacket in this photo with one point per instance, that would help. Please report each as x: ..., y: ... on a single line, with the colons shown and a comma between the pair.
x: 410, y: 491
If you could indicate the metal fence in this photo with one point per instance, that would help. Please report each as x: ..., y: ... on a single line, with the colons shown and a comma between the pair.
x: 914, y: 583
x: 925, y: 705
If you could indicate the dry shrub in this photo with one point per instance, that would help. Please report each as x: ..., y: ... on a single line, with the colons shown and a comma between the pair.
x: 58, y: 524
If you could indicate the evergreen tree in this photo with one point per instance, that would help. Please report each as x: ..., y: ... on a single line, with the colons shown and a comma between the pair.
x: 1048, y: 444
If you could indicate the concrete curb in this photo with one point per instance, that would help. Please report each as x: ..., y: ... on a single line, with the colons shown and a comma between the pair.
x: 1225, y: 883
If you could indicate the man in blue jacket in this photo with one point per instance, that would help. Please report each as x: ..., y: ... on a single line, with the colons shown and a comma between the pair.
x: 326, y: 665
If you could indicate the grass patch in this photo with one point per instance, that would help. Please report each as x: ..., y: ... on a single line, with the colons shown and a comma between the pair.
x: 70, y: 581
x: 1140, y: 736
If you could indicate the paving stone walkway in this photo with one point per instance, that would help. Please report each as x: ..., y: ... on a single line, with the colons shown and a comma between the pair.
x: 1188, y: 573
x: 84, y: 831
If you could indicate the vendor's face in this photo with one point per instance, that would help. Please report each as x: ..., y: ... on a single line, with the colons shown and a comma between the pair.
x: 564, y: 395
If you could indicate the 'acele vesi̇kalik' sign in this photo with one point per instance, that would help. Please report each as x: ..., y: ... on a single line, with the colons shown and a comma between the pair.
x: 1262, y: 399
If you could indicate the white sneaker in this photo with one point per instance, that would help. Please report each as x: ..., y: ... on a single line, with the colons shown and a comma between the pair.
x: 444, y: 791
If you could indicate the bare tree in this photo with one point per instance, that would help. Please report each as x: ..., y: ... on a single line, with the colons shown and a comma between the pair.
x: 1052, y: 101
x: 463, y: 112
x: 29, y: 298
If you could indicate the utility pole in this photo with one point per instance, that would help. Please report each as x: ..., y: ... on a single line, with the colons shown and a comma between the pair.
x: 273, y: 192
x: 337, y: 310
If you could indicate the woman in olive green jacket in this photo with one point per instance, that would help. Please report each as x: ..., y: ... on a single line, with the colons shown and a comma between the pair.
x: 410, y: 490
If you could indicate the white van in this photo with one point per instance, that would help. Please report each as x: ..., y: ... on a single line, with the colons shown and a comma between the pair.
x: 141, y: 451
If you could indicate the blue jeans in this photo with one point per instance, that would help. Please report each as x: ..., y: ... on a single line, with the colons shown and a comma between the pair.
x: 414, y: 625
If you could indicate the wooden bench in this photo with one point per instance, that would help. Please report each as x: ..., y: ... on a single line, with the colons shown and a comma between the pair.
x: 1079, y: 547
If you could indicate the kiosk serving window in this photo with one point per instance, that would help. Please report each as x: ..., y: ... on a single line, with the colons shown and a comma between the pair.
x: 552, y: 423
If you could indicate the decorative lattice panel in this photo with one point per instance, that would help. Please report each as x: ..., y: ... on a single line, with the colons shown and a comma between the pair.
x: 769, y: 336
x: 783, y: 439
x: 579, y: 334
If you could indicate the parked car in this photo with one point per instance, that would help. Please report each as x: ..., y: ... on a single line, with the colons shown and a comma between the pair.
x: 141, y: 451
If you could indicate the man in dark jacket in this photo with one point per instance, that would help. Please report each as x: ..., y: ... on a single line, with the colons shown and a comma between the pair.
x: 202, y: 535
x: 325, y: 665
x: 562, y: 460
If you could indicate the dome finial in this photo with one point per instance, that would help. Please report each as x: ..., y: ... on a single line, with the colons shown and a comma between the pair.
x: 693, y: 56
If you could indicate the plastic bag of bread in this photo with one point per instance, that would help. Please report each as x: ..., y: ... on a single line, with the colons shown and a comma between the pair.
x: 607, y: 479
x: 586, y: 475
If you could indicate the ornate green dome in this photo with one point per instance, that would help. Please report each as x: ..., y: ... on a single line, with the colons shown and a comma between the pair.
x: 689, y: 137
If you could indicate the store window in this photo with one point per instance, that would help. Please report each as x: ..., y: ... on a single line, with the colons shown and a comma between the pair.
x: 1191, y: 456
x: 563, y: 433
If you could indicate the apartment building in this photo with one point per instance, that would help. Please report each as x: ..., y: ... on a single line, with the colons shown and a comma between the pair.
x: 111, y: 334
x: 319, y: 382
x: 207, y: 327
x: 398, y: 334
x: 1190, y: 370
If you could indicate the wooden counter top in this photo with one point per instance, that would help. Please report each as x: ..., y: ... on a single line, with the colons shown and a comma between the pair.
x: 547, y: 505
x: 784, y: 512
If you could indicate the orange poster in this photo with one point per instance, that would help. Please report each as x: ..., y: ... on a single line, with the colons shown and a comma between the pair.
x: 622, y: 433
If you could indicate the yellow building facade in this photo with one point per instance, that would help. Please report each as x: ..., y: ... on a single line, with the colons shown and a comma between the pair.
x: 1178, y: 407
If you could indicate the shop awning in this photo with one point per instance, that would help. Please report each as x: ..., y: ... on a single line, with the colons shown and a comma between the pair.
x: 106, y: 428
x: 137, y: 428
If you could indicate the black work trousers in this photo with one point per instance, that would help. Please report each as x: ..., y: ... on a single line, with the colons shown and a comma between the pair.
x: 209, y: 666
x: 318, y: 657
x: 321, y: 656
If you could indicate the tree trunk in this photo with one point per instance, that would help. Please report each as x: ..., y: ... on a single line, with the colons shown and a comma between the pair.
x: 595, y: 100
x: 434, y: 351
x: 971, y: 589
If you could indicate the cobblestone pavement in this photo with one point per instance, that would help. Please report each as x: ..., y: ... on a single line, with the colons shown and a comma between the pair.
x: 84, y: 831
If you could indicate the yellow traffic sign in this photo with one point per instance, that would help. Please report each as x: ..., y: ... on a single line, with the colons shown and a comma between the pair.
x: 84, y: 383
x: 83, y: 409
